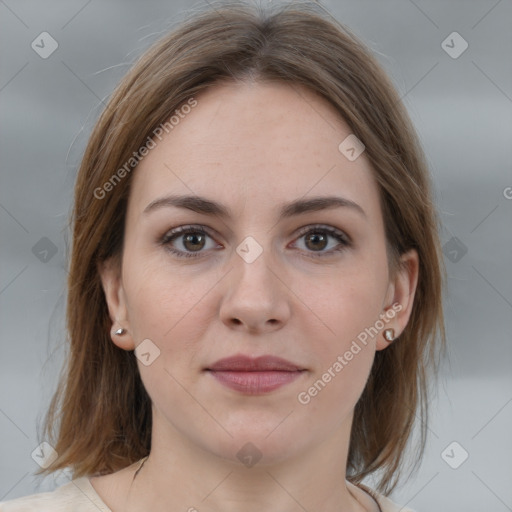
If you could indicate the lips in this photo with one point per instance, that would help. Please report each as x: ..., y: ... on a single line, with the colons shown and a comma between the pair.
x: 254, y: 376
x: 242, y: 363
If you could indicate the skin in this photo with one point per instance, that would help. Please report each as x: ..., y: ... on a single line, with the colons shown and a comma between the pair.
x: 251, y: 146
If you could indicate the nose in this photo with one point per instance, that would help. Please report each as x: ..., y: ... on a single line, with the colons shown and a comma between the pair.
x: 256, y: 299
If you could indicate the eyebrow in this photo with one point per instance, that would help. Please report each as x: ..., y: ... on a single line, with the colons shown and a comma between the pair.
x: 209, y: 207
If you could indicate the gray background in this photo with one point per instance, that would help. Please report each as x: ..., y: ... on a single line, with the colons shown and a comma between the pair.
x: 461, y: 108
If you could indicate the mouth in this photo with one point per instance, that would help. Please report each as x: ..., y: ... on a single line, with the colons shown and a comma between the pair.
x: 254, y: 376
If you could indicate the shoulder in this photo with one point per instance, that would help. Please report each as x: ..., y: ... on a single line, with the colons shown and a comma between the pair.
x: 78, y: 495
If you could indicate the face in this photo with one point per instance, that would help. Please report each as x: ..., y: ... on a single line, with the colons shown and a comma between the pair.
x: 304, y: 287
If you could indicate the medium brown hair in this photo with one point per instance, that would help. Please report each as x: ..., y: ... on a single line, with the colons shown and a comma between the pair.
x: 101, y: 408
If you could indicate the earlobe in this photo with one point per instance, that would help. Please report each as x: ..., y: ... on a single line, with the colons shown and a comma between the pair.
x: 121, y: 337
x: 399, y: 306
x: 110, y: 276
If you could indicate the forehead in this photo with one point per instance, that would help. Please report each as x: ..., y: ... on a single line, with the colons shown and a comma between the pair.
x: 254, y: 142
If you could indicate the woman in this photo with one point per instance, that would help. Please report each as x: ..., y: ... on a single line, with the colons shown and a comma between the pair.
x: 218, y: 359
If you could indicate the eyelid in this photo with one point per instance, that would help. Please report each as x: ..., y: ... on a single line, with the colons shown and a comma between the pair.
x: 331, y: 230
x: 183, y: 230
x: 174, y: 233
x: 302, y: 231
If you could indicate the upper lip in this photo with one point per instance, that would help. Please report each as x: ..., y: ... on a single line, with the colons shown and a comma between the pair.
x: 242, y: 363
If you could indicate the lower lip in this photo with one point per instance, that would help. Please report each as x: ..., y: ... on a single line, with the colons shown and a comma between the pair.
x: 255, y: 383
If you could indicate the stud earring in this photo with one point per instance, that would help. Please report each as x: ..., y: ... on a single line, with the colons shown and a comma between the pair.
x: 389, y: 335
x: 120, y: 331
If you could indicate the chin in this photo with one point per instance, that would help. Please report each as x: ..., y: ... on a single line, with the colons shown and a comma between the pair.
x: 262, y: 447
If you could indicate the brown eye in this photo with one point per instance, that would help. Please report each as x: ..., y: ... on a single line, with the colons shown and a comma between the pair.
x: 316, y: 239
x: 192, y: 239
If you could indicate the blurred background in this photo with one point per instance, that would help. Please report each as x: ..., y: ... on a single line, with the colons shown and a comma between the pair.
x: 450, y: 61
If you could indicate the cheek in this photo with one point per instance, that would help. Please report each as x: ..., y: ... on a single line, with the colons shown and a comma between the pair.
x: 344, y: 354
x: 344, y: 310
x: 162, y: 310
x: 159, y: 307
x: 166, y: 305
x: 347, y: 302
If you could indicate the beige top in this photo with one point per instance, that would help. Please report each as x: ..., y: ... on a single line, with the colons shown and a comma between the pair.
x: 80, y: 496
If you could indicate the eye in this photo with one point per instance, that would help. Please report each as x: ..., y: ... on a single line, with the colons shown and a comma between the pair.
x: 193, y: 240
x: 316, y: 240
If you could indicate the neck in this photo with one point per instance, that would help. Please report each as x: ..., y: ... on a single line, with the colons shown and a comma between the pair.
x: 179, y: 475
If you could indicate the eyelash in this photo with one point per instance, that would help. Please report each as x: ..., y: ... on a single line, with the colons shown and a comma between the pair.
x: 170, y: 236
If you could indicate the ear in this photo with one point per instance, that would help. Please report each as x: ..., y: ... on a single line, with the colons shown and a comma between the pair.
x: 400, y: 296
x: 110, y: 274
